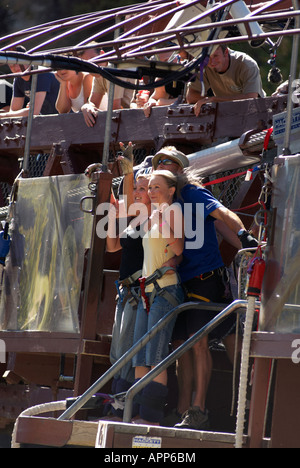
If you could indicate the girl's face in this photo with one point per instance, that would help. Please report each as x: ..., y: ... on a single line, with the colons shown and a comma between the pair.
x: 159, y: 191
x: 66, y: 75
x: 140, y: 192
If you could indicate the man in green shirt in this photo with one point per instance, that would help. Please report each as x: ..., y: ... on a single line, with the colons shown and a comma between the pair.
x: 230, y: 76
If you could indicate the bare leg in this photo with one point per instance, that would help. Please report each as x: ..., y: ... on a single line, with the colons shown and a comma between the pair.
x: 202, y: 372
x: 185, y: 372
x: 141, y: 372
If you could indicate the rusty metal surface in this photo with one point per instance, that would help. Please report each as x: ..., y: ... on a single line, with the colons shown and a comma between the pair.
x: 67, y: 138
x: 16, y: 398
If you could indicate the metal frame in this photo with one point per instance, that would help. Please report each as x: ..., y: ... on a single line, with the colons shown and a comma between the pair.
x: 140, y: 42
x: 105, y: 378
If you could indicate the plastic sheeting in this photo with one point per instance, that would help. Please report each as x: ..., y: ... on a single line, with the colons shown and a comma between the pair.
x: 44, y: 269
x: 280, y: 311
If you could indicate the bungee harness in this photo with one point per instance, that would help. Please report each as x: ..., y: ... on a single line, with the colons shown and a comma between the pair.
x: 126, y: 289
x: 157, y: 290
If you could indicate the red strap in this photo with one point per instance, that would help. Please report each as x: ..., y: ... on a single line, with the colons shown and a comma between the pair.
x: 144, y: 295
x: 223, y: 179
x: 245, y: 208
x: 267, y: 138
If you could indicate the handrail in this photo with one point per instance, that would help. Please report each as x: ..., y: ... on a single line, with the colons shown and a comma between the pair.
x: 237, y: 304
x: 114, y: 369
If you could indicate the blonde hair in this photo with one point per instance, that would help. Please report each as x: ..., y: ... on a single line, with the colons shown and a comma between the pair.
x: 188, y: 176
x: 169, y: 177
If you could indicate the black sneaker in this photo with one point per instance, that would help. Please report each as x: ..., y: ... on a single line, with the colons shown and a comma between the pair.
x: 195, y: 419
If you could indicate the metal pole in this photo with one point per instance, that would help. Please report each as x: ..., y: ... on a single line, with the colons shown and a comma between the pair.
x: 29, y: 122
x: 108, y: 121
x: 108, y: 124
x: 105, y: 378
x: 294, y: 61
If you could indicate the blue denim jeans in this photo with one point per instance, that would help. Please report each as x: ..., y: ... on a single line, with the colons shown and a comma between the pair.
x: 158, y: 347
x: 123, y: 333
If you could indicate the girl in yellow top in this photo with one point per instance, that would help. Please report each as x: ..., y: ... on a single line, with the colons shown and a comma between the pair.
x: 163, y: 239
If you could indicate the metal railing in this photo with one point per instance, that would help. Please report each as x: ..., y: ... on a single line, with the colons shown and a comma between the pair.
x: 114, y: 369
x: 204, y: 331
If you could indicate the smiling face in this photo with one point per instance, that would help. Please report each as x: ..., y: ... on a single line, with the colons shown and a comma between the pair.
x: 219, y: 60
x: 66, y: 75
x: 140, y: 192
x: 160, y: 191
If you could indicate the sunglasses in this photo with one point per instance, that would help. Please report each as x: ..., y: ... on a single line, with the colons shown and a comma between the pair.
x: 167, y: 162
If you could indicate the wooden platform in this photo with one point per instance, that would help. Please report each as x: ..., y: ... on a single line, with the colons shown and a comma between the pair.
x: 48, y: 432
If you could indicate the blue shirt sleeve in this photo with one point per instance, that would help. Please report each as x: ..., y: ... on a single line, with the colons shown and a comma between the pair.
x: 194, y: 194
x: 44, y: 82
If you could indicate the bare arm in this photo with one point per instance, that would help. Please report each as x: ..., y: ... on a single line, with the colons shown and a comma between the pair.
x: 171, y: 225
x: 158, y: 98
x: 227, y: 234
x: 232, y: 221
x: 233, y: 97
x: 90, y: 109
x: 63, y: 102
x: 16, y: 109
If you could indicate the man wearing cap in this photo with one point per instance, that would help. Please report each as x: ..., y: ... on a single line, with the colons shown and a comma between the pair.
x: 230, y: 76
x: 205, y: 279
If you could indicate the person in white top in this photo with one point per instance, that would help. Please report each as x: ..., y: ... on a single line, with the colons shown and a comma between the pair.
x: 74, y: 90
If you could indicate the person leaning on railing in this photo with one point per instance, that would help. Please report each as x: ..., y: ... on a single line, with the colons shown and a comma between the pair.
x: 229, y: 76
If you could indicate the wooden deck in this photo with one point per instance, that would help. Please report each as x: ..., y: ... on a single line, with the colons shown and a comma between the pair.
x: 47, y: 432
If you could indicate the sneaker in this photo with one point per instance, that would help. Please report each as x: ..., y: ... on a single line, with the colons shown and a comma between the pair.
x: 171, y: 419
x: 195, y: 419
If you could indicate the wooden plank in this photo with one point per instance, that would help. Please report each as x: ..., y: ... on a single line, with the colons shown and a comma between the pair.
x: 231, y: 121
x: 40, y: 342
x: 235, y: 118
x: 43, y: 431
x: 96, y: 348
x: 259, y: 392
x: 273, y: 345
x: 123, y: 436
x: 93, y: 290
x: 54, y: 433
x: 286, y: 408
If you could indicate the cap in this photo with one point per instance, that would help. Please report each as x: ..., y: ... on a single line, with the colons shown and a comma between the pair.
x: 173, y: 153
x: 145, y: 167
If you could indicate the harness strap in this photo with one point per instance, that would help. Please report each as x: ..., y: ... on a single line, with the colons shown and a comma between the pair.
x: 157, y: 274
x: 130, y: 279
x: 158, y: 291
x: 152, y: 279
x: 144, y: 296
x: 127, y: 282
x: 196, y: 296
